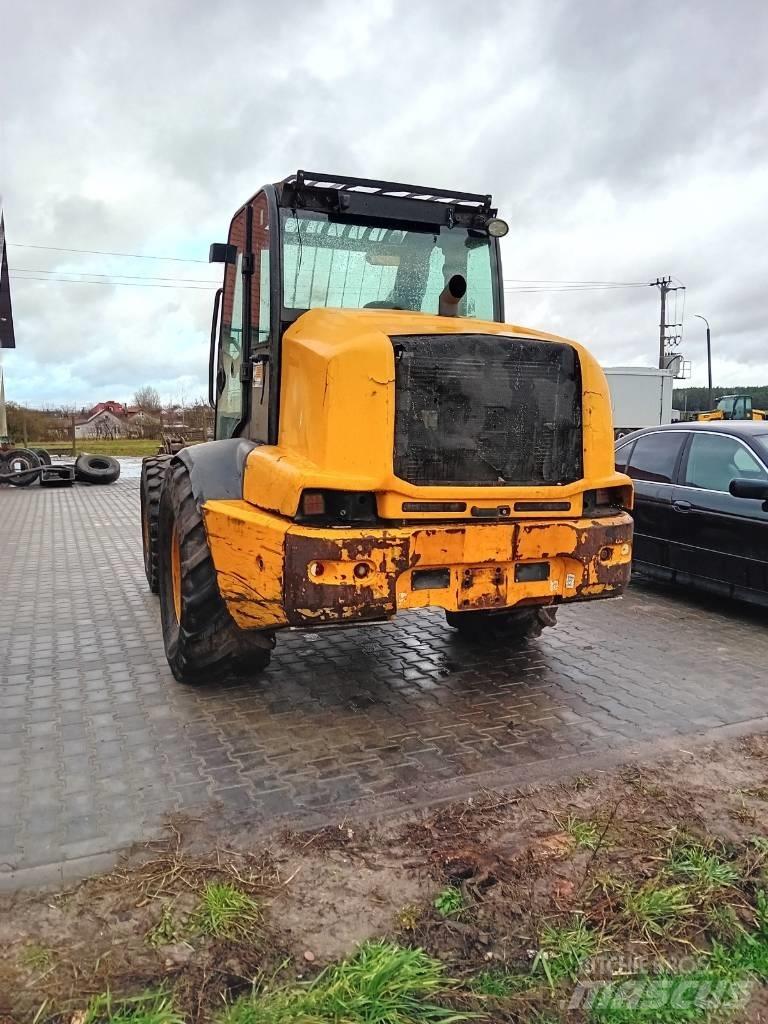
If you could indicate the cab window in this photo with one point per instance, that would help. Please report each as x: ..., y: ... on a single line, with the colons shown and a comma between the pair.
x: 229, y: 387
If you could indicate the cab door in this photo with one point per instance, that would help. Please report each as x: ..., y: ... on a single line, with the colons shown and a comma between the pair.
x: 228, y: 387
x: 244, y: 391
x: 742, y: 408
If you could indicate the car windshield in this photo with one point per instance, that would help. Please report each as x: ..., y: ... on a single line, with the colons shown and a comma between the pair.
x: 358, y: 266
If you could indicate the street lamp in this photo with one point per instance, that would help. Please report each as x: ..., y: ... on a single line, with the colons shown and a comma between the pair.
x: 709, y: 358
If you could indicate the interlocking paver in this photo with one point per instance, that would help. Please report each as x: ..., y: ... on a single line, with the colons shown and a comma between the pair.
x: 98, y: 744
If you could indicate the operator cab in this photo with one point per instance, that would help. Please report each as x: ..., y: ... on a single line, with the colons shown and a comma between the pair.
x: 736, y: 407
x: 316, y: 240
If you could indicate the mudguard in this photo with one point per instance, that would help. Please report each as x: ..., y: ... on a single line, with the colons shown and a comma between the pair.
x: 216, y: 468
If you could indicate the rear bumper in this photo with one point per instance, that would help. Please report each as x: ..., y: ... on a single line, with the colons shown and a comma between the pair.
x: 273, y: 573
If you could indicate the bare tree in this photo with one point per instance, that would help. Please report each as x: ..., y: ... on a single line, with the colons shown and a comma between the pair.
x: 147, y: 399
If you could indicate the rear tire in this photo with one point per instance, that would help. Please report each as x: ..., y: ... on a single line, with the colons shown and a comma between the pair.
x: 203, y: 644
x: 153, y: 472
x: 515, y: 627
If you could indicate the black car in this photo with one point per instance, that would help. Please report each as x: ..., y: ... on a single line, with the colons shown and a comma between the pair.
x: 701, y: 504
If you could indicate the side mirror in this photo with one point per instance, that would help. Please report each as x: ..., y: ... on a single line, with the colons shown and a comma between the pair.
x: 749, y: 489
x: 221, y: 252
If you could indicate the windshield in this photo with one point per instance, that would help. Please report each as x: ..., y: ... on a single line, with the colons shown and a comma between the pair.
x: 356, y: 266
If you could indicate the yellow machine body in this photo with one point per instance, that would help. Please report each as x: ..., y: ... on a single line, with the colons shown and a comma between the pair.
x: 336, y: 431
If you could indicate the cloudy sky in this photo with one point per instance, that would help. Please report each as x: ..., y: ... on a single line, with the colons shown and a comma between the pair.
x: 621, y: 140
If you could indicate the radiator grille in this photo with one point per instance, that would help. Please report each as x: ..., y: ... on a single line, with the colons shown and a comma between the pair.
x: 486, y: 410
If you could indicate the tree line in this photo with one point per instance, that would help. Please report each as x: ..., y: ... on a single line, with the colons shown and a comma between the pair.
x: 697, y: 399
x: 54, y: 423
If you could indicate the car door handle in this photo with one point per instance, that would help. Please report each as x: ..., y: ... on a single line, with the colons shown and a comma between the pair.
x: 682, y: 506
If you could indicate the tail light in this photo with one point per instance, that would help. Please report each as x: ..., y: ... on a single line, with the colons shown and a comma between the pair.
x: 606, y: 500
x: 332, y: 508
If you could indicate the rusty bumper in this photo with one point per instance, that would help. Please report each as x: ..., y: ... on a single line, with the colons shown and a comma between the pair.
x: 274, y: 573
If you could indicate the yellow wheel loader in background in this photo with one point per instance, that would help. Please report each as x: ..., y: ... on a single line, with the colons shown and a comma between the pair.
x: 384, y: 440
x: 733, y: 407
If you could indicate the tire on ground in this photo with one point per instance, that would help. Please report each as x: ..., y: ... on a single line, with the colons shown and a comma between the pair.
x: 19, y: 459
x: 203, y: 644
x: 96, y: 469
x: 153, y: 470
x: 514, y: 627
x: 42, y: 454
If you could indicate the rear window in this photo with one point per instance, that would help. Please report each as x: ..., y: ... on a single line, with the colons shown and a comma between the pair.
x: 655, y: 455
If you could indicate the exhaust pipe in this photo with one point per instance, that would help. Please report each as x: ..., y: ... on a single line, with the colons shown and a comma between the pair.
x: 451, y: 296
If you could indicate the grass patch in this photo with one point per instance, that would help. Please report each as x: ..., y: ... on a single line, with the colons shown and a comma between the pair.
x: 99, y: 446
x: 707, y: 993
x: 722, y: 922
x: 653, y: 908
x: 564, y: 950
x: 703, y: 869
x: 225, y: 912
x: 381, y: 984
x: 450, y: 902
x: 148, y: 1008
x: 499, y: 983
x: 585, y: 834
x: 165, y: 931
x: 668, y: 998
x: 408, y: 917
x: 711, y: 992
x: 36, y: 957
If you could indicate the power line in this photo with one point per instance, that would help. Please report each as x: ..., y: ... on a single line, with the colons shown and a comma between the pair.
x: 112, y: 277
x: 575, y: 288
x: 119, y: 284
x: 101, y: 252
x: 536, y: 280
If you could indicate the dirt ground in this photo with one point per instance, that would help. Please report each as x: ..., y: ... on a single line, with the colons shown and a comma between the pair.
x: 517, y: 864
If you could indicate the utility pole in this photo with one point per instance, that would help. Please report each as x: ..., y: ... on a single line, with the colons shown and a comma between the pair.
x: 709, y: 359
x: 664, y: 284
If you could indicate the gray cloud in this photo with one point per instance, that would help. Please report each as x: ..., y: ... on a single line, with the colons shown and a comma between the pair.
x: 622, y: 141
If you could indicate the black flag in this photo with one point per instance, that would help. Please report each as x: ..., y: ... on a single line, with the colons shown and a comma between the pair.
x: 7, y: 339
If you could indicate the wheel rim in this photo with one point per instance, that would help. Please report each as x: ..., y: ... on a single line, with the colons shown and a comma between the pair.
x: 176, y: 575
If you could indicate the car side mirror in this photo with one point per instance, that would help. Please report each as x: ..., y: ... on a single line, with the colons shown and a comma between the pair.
x: 757, y: 489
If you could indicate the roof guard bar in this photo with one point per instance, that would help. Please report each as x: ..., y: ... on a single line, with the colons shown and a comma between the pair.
x: 370, y: 186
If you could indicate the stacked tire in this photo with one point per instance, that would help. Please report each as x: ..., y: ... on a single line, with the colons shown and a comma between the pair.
x: 21, y: 467
x: 22, y: 464
x: 96, y: 469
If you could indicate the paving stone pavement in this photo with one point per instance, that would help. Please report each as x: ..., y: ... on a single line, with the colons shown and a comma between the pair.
x: 98, y: 743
